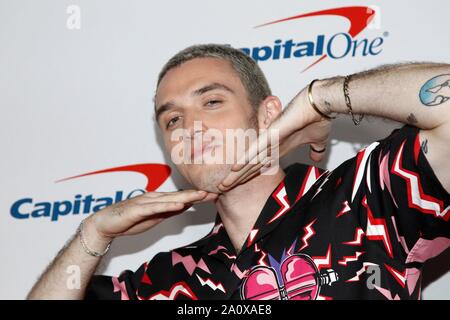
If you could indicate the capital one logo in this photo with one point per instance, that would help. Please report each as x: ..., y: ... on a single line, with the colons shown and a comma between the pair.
x: 26, y: 208
x: 335, y: 46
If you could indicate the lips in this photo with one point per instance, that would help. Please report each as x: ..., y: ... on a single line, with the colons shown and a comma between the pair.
x: 197, y: 151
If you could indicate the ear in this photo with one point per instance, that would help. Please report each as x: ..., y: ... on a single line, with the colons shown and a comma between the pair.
x: 269, y: 109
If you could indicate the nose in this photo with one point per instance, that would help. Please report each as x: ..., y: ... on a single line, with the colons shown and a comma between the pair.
x: 193, y: 129
x: 193, y: 126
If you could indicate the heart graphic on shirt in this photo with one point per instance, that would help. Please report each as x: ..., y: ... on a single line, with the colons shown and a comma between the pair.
x: 297, y: 279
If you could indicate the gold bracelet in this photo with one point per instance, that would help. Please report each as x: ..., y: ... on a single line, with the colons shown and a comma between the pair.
x: 311, y: 101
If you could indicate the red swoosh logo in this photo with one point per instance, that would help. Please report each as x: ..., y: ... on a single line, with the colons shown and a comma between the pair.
x: 155, y: 173
x: 359, y: 18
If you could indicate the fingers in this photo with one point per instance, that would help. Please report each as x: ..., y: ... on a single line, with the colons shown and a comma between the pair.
x: 176, y: 196
x: 142, y: 212
x: 187, y: 197
x: 253, y: 154
x: 152, y: 194
x: 154, y: 208
x: 160, y: 212
x: 249, y: 175
x: 317, y: 151
x: 235, y: 178
x: 209, y: 197
x: 265, y: 149
x: 267, y: 154
x: 143, y: 226
x: 173, y: 203
x: 258, y: 156
x: 155, y: 203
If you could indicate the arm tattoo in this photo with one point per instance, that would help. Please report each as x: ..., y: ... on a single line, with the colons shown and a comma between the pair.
x: 328, y: 106
x: 424, y: 146
x: 411, y: 118
x: 436, y: 90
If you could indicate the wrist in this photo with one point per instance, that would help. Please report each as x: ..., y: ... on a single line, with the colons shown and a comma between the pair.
x: 309, y: 113
x: 328, y: 96
x: 96, y: 240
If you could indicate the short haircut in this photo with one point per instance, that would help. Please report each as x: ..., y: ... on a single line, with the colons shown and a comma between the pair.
x: 250, y: 74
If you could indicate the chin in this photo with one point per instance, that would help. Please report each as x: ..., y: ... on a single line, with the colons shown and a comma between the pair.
x: 207, y: 177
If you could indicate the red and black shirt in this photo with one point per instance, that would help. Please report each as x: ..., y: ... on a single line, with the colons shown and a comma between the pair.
x: 361, y: 231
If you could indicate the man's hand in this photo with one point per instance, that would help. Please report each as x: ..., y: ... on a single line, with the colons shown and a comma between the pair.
x: 141, y: 213
x: 128, y: 217
x: 299, y: 124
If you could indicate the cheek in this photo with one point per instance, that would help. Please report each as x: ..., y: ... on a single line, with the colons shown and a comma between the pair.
x: 176, y: 151
x: 237, y: 120
x: 248, y: 117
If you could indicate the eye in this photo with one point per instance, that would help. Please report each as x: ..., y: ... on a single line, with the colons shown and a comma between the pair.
x: 212, y: 103
x: 172, y: 122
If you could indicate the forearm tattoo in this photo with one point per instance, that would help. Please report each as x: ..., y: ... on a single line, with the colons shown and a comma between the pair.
x: 435, y: 91
x: 411, y: 118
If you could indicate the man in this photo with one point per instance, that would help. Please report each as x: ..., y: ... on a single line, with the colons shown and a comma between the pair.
x: 361, y: 231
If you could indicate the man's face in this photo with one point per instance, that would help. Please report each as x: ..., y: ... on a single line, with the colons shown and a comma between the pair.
x: 210, y: 91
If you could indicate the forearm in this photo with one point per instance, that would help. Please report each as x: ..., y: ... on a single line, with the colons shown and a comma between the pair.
x: 392, y: 92
x: 70, y: 272
x: 128, y: 217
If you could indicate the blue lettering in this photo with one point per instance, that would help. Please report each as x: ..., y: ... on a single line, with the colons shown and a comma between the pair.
x: 58, y: 211
x: 16, y: 206
x: 338, y: 46
x: 374, y: 45
x: 348, y: 41
x: 54, y: 210
x: 41, y: 209
x: 266, y: 50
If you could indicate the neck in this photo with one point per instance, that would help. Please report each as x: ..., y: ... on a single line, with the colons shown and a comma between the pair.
x: 239, y: 208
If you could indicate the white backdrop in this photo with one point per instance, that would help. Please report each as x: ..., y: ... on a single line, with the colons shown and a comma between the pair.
x: 76, y: 97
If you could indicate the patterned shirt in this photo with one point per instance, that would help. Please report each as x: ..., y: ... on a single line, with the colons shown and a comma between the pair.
x: 361, y: 231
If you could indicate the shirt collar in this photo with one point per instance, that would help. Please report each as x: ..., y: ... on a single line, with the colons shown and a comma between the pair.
x: 297, y: 182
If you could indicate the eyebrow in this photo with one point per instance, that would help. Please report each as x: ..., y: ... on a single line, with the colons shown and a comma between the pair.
x: 163, y: 108
x: 212, y: 86
x: 170, y: 105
